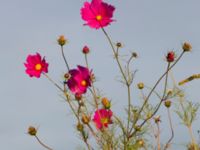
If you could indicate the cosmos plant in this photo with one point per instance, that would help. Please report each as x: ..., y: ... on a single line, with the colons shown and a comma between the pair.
x: 135, y: 127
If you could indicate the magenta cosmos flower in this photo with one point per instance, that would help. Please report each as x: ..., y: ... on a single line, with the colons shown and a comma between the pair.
x: 80, y: 80
x: 97, y: 14
x: 102, y: 118
x: 35, y: 65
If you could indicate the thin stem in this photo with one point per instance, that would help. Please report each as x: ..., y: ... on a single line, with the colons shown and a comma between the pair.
x: 86, y: 61
x: 172, y: 130
x: 93, y: 91
x: 86, y: 141
x: 129, y: 110
x: 88, y: 146
x: 123, y: 130
x: 150, y: 93
x: 72, y: 108
x: 158, y: 137
x: 41, y: 143
x: 191, y: 134
x: 54, y: 83
x: 115, y: 54
x: 63, y: 55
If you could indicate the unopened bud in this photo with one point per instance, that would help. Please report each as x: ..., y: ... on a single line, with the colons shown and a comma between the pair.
x: 32, y: 131
x: 137, y: 128
x: 119, y: 44
x: 85, y: 119
x: 61, y: 40
x: 157, y: 119
x: 78, y: 97
x: 186, y: 47
x: 85, y: 50
x: 168, y: 103
x: 67, y: 76
x: 170, y: 56
x: 140, y: 142
x: 140, y: 85
x: 106, y: 103
x: 79, y: 127
x: 134, y: 54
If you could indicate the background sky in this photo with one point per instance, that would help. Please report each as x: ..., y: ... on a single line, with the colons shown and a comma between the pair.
x: 151, y: 28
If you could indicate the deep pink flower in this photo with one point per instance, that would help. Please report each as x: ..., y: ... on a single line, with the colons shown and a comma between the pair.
x: 35, y: 65
x: 80, y: 80
x: 97, y: 14
x: 102, y: 118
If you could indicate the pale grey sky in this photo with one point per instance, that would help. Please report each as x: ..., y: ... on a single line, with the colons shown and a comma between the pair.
x: 151, y: 28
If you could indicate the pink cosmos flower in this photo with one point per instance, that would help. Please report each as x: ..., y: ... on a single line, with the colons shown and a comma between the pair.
x: 80, y: 80
x: 97, y: 14
x: 35, y: 65
x: 102, y: 118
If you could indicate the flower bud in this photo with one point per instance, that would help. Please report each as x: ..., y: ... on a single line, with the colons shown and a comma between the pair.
x: 32, y: 131
x: 137, y: 128
x: 168, y: 103
x: 106, y: 103
x: 186, y: 47
x: 140, y: 142
x: 92, y: 77
x: 78, y: 97
x: 61, y: 40
x: 119, y: 44
x: 134, y: 54
x: 85, y: 50
x: 67, y: 76
x: 85, y: 119
x: 157, y: 119
x: 170, y: 56
x: 169, y: 92
x: 79, y: 127
x: 140, y: 85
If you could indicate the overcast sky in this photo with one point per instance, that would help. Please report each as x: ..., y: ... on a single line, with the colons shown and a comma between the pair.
x: 151, y: 28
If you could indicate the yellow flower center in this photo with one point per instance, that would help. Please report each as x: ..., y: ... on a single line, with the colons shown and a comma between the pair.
x: 104, y: 120
x: 99, y: 17
x: 38, y: 67
x: 83, y: 83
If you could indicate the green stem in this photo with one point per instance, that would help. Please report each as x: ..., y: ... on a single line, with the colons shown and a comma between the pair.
x: 65, y: 60
x: 150, y: 93
x: 41, y: 143
x: 54, y: 83
x: 171, y: 128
